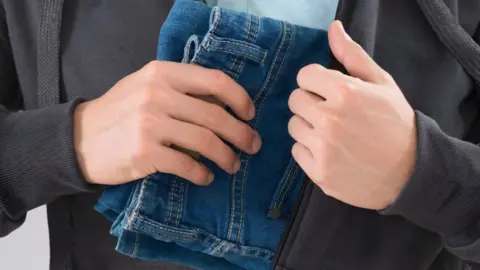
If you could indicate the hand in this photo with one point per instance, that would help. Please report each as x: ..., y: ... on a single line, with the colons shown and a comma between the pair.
x: 356, y: 135
x: 126, y: 134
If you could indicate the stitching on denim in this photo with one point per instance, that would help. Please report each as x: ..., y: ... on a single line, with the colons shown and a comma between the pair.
x: 180, y: 201
x: 242, y: 192
x: 217, y: 248
x: 135, y: 212
x: 232, y: 217
x: 284, y: 183
x: 290, y: 30
x: 153, y: 224
x: 173, y: 237
x: 240, y: 66
x: 235, y: 42
x: 135, y: 245
x: 193, y: 237
x: 261, y: 60
x: 171, y: 201
x: 242, y: 63
x: 228, y: 247
x: 275, y: 59
x: 290, y: 183
x: 211, y: 46
x: 218, y: 12
x: 133, y: 202
x: 288, y: 35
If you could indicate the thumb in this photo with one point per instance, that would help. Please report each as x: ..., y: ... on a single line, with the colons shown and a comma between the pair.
x: 351, y: 55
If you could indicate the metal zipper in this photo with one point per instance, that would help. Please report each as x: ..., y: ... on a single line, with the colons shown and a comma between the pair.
x: 281, y: 246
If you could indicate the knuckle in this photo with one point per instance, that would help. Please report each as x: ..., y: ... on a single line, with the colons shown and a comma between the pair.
x: 336, y: 73
x: 146, y: 96
x: 144, y: 123
x: 139, y: 152
x: 345, y: 93
x: 329, y: 125
x: 153, y: 68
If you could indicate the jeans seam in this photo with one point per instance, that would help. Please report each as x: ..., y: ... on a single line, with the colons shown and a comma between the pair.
x: 174, y: 237
x: 284, y: 184
x: 217, y: 248
x: 234, y: 182
x: 238, y: 43
x: 253, y: 57
x: 135, y: 245
x: 240, y: 67
x: 135, y: 211
x: 189, y: 234
x: 193, y: 237
x: 290, y: 182
x: 254, y: 38
x: 171, y: 200
x: 288, y: 30
x: 180, y: 204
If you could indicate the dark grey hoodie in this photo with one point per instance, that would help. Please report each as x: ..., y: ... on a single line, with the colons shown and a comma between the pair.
x: 53, y: 52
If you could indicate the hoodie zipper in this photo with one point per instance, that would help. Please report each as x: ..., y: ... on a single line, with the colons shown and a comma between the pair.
x: 283, y: 240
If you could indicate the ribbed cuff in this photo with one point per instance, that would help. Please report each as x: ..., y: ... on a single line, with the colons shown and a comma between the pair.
x: 443, y: 192
x: 37, y: 158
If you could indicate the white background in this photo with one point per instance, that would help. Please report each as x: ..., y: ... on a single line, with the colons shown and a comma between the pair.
x: 27, y: 247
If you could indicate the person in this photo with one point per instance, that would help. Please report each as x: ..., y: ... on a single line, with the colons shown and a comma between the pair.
x: 388, y: 143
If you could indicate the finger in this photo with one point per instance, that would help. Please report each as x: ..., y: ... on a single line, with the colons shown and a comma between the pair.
x: 306, y: 105
x: 182, y: 165
x: 326, y: 84
x: 197, y: 80
x: 203, y: 141
x: 303, y: 156
x: 351, y: 55
x: 301, y: 131
x: 217, y: 119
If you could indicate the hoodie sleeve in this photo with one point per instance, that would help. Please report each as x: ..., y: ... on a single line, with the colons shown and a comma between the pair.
x: 37, y: 159
x: 443, y: 194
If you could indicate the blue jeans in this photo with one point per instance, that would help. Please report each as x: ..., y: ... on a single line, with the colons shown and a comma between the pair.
x: 237, y: 222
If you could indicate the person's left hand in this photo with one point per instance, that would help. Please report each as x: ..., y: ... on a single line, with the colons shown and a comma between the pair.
x: 356, y: 135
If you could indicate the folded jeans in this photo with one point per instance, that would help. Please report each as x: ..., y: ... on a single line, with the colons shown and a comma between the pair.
x: 237, y: 222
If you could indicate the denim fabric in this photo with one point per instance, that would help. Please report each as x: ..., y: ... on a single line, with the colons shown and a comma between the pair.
x: 236, y: 222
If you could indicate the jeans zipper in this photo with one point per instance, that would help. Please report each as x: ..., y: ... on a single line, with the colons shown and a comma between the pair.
x: 281, y: 246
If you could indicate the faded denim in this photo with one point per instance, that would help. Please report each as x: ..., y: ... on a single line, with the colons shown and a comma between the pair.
x: 237, y: 222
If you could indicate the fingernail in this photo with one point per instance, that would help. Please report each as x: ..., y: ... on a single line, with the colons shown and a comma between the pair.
x: 236, y: 166
x: 257, y: 143
x: 210, y: 177
x: 251, y: 111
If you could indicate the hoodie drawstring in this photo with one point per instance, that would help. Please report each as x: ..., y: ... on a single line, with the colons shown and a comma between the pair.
x: 453, y: 36
x: 48, y: 94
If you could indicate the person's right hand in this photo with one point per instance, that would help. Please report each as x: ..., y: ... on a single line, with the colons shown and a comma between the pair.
x: 127, y: 133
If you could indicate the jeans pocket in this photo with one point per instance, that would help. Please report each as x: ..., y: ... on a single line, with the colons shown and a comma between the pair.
x: 283, y: 200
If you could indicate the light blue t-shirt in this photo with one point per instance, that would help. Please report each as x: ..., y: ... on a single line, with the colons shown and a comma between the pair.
x: 311, y: 13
